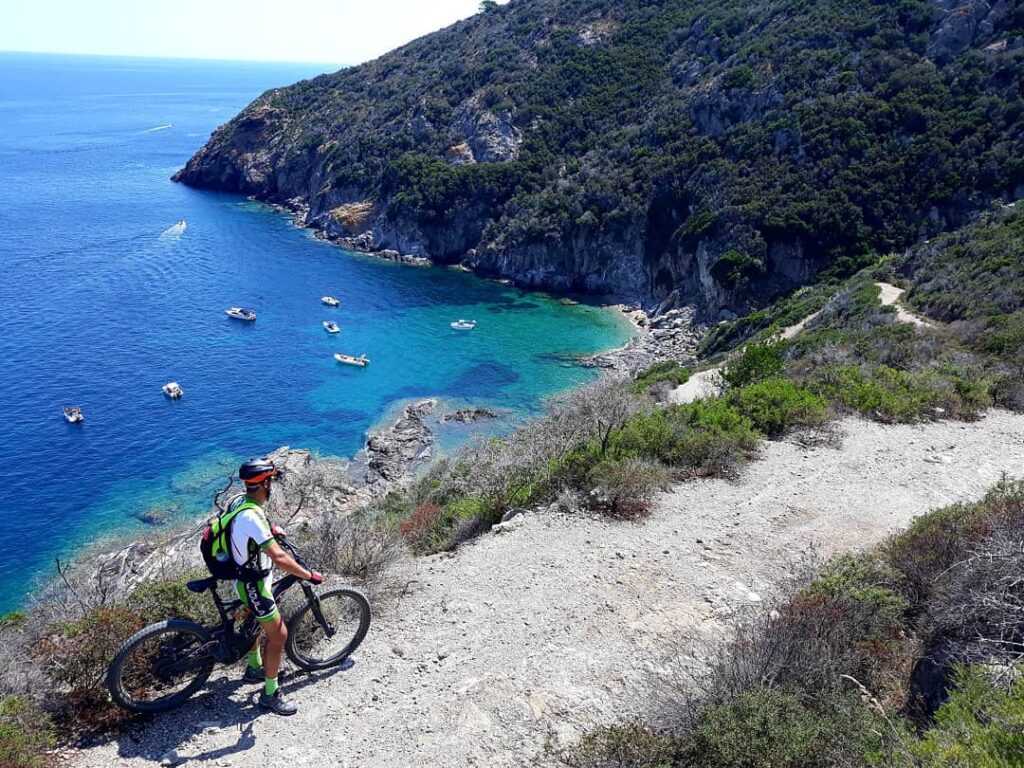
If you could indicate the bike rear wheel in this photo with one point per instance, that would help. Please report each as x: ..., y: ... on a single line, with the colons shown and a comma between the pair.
x: 327, y: 629
x: 160, y: 666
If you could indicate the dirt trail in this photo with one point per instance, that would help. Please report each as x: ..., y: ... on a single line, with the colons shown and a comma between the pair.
x: 550, y: 625
x: 890, y: 296
x: 705, y: 384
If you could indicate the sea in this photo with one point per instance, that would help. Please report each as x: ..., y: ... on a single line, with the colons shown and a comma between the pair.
x: 105, y: 297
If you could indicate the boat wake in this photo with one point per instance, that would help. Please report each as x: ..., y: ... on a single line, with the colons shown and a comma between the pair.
x: 174, y: 232
x: 158, y: 128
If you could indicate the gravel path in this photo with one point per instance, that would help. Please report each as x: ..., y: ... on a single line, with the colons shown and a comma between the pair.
x: 548, y: 626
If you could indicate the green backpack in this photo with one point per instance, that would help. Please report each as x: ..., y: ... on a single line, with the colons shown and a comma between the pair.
x: 215, y: 546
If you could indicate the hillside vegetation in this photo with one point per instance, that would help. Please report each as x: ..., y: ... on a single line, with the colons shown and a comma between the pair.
x: 728, y: 151
x: 930, y: 626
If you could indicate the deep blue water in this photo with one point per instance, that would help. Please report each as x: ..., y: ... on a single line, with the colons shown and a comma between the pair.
x: 102, y: 301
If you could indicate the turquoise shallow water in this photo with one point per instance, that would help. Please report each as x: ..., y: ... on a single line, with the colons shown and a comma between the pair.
x: 102, y: 301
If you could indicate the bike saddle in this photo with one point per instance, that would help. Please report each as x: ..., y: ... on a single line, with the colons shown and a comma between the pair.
x: 202, y: 585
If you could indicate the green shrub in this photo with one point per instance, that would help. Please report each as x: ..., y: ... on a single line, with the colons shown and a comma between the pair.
x: 572, y: 469
x: 14, y: 619
x: 648, y: 435
x: 467, y: 508
x: 895, y: 396
x: 78, y: 653
x: 159, y: 600
x: 711, y: 438
x: 622, y: 488
x: 738, y: 77
x: 1003, y: 335
x: 756, y: 363
x: 937, y: 540
x: 623, y: 746
x: 783, y: 730
x: 668, y: 371
x: 869, y: 581
x: 980, y: 726
x: 427, y: 528
x: 707, y: 437
x: 735, y: 269
x: 25, y: 734
x: 862, y: 595
x: 776, y: 406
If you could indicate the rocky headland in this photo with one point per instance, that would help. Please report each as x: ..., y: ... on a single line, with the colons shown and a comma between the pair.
x: 719, y: 154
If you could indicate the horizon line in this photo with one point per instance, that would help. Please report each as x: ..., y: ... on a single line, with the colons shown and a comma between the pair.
x: 336, y: 65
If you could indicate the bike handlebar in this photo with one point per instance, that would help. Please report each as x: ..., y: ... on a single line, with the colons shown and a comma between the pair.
x: 288, y: 547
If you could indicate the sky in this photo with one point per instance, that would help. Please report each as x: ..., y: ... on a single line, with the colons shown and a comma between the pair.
x: 320, y: 31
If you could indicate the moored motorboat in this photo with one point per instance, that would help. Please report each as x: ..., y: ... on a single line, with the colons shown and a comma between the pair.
x: 73, y: 414
x: 330, y: 301
x: 331, y: 327
x: 241, y: 313
x: 360, y: 361
x: 464, y: 325
x: 173, y: 390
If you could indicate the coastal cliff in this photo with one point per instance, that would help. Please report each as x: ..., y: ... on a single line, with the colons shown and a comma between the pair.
x: 669, y: 152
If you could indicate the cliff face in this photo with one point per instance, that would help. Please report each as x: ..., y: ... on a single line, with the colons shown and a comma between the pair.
x: 664, y: 150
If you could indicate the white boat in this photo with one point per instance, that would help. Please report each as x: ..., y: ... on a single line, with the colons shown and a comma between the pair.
x: 330, y: 301
x: 361, y: 361
x: 181, y: 224
x: 241, y: 313
x: 331, y: 327
x: 173, y: 390
x: 464, y: 325
x: 73, y: 414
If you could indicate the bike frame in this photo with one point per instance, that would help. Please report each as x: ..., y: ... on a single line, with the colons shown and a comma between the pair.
x: 228, y: 645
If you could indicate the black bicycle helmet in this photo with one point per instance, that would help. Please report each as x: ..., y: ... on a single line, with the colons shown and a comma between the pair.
x: 255, y: 471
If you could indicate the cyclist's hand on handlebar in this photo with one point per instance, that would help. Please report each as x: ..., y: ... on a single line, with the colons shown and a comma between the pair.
x: 315, y: 577
x: 278, y: 532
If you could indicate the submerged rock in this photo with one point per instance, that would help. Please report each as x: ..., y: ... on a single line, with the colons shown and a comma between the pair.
x: 468, y: 415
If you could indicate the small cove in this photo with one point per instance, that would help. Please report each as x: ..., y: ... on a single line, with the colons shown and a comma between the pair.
x: 104, y: 300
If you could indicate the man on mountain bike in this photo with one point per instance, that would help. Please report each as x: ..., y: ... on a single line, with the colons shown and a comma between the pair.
x: 255, y: 551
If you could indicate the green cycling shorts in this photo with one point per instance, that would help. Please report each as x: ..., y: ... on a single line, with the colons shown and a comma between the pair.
x: 256, y: 595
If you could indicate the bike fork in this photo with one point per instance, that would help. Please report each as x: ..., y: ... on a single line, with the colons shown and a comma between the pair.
x: 318, y: 614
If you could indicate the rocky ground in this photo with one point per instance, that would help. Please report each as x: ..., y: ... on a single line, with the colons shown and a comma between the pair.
x: 553, y: 624
x: 672, y: 335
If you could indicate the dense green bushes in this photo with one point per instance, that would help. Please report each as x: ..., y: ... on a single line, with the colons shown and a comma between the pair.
x: 981, y: 726
x: 707, y: 438
x: 159, y: 600
x: 754, y: 363
x: 668, y: 373
x: 778, y: 406
x: 25, y: 733
x: 973, y: 273
x: 765, y: 727
x: 891, y: 395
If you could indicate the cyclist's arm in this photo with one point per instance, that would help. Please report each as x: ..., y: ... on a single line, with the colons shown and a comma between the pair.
x: 285, y: 562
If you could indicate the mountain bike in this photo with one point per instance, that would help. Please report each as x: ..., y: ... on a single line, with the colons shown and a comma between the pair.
x: 161, y: 666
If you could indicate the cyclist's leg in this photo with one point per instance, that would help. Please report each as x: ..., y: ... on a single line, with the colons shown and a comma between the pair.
x: 276, y: 633
x: 257, y: 596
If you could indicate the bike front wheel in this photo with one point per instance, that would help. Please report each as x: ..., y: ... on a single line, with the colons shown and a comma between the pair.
x: 160, y: 666
x: 328, y: 628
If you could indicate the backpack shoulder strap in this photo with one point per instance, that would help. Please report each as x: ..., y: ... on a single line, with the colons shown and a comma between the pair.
x: 225, y: 521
